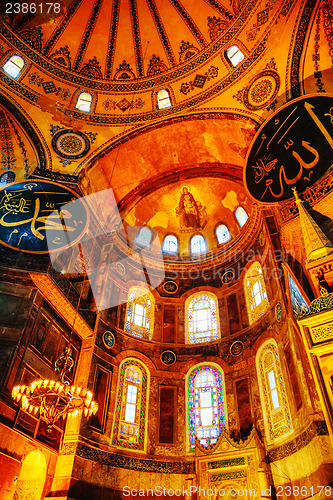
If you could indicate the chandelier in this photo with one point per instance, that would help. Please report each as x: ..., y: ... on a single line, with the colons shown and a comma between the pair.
x: 56, y: 399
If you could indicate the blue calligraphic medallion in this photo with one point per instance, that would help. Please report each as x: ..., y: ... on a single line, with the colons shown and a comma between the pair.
x: 294, y: 148
x: 30, y: 209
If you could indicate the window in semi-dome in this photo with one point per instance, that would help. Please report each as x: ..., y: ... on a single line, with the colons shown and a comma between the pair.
x: 235, y: 55
x: 170, y: 244
x: 143, y: 238
x: 222, y: 233
x: 202, y: 318
x: 206, y: 407
x: 241, y: 216
x: 7, y: 178
x: 163, y: 99
x: 272, y: 392
x: 131, y: 405
x: 13, y: 66
x: 139, y: 319
x: 84, y: 102
x: 255, y: 292
x: 198, y: 244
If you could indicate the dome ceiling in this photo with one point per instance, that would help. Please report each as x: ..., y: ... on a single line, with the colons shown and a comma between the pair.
x: 127, y: 39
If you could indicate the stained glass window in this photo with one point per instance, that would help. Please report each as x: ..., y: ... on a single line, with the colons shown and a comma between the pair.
x: 129, y: 423
x: 140, y: 313
x: 163, y: 99
x: 255, y: 292
x: 202, y: 318
x: 235, y: 55
x: 14, y: 66
x: 241, y: 216
x: 222, y: 233
x: 198, y: 244
x: 7, y: 178
x: 84, y: 102
x: 170, y: 244
x: 272, y: 391
x: 206, y: 409
x: 143, y: 238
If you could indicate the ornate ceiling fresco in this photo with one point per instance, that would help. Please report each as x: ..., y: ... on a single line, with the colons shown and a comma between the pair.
x: 123, y: 52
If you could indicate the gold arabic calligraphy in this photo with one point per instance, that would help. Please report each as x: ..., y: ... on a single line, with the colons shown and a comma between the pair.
x: 266, y: 163
x: 16, y: 204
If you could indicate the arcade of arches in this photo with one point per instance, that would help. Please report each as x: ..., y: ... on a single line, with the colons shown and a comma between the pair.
x: 199, y: 316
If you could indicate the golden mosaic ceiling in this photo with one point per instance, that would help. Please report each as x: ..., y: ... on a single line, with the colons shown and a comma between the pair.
x: 126, y: 40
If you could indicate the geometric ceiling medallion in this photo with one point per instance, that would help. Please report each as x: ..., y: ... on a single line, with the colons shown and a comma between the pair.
x: 70, y: 145
x: 262, y: 89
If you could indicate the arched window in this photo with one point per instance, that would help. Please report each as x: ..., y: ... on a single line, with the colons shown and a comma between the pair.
x: 170, y: 244
x: 235, y: 55
x: 198, y: 244
x: 163, y: 99
x: 7, y: 178
x: 140, y: 313
x: 205, y: 405
x: 222, y: 233
x: 131, y: 405
x: 272, y: 392
x: 202, y: 324
x: 143, y: 238
x: 241, y: 216
x: 84, y: 102
x: 255, y: 292
x: 14, y: 66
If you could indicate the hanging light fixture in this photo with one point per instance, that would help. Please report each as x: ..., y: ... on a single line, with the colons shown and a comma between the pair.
x: 56, y: 399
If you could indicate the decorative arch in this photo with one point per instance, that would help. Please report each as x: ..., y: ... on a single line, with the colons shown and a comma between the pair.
x: 144, y: 237
x: 273, y: 396
x: 206, y: 410
x: 130, y: 419
x: 255, y: 292
x: 201, y: 318
x: 32, y: 477
x: 139, y: 317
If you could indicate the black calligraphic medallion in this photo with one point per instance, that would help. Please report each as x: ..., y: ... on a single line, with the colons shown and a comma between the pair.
x: 109, y: 339
x: 40, y: 216
x: 170, y: 287
x: 294, y: 148
x: 168, y: 357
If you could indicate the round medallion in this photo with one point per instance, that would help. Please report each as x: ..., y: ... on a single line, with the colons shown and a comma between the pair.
x: 228, y: 276
x: 278, y: 311
x: 236, y: 348
x: 70, y: 145
x: 120, y: 268
x: 108, y: 339
x: 168, y: 357
x: 41, y: 216
x: 262, y: 90
x: 170, y: 287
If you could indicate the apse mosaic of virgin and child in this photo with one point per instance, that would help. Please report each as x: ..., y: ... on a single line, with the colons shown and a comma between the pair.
x: 194, y: 206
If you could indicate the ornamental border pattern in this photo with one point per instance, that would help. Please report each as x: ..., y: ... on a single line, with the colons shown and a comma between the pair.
x: 316, y: 428
x: 295, y: 89
x: 27, y: 127
x: 133, y: 463
x: 106, y: 86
